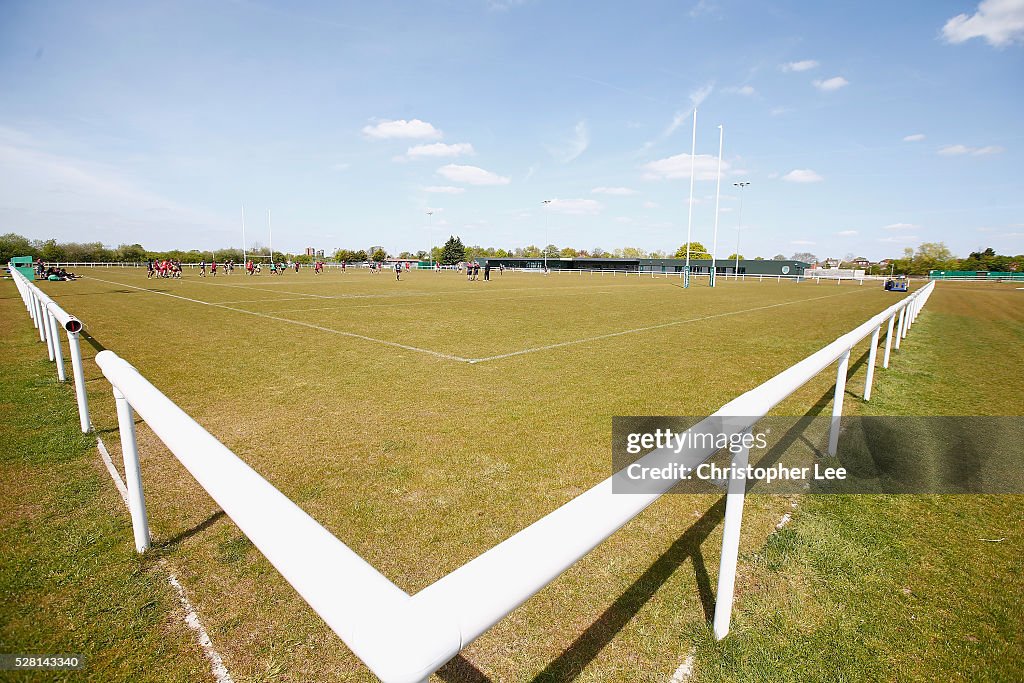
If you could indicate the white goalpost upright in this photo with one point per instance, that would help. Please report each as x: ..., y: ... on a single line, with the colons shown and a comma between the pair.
x: 244, y: 259
x: 246, y: 255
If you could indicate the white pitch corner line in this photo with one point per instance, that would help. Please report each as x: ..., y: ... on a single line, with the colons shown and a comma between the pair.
x: 217, y: 667
x: 385, y: 342
x: 636, y: 330
x: 685, y: 671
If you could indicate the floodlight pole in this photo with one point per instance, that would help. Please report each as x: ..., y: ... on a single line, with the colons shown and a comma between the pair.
x: 689, y: 219
x: 718, y: 195
x: 546, y: 221
x: 271, y: 231
x: 738, y: 226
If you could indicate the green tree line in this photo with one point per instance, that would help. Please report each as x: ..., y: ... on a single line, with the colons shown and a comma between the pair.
x: 928, y: 256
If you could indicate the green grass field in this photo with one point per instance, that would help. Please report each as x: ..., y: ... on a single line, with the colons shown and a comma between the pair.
x: 426, y: 420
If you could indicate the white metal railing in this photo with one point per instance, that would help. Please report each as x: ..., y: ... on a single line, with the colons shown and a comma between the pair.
x: 46, y: 316
x: 404, y: 638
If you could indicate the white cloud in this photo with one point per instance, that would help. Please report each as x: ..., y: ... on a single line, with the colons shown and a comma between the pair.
x: 341, y: 166
x: 651, y: 205
x: 698, y: 96
x: 802, y: 243
x: 847, y: 233
x: 576, y: 145
x: 45, y: 184
x: 960, y: 150
x: 678, y: 166
x: 386, y: 130
x: 901, y: 226
x: 444, y: 189
x: 620, y: 191
x: 439, y: 149
x: 899, y: 239
x: 802, y: 65
x: 802, y: 175
x: 704, y: 7
x: 575, y: 206
x: 471, y: 175
x: 742, y: 90
x: 999, y: 22
x: 677, y: 121
x: 831, y: 84
x: 916, y: 137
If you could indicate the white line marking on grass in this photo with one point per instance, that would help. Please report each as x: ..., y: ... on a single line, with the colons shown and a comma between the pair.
x: 114, y: 474
x: 398, y: 295
x: 272, y: 291
x: 651, y: 327
x: 264, y: 301
x: 436, y: 354
x: 685, y: 670
x: 416, y: 303
x: 220, y: 672
x: 787, y: 517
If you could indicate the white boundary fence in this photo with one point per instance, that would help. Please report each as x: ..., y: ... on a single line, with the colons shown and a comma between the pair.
x: 612, y: 272
x: 404, y: 638
x: 46, y: 316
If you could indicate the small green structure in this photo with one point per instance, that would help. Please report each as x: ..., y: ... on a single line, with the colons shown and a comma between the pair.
x: 23, y: 264
x: 1011, y: 276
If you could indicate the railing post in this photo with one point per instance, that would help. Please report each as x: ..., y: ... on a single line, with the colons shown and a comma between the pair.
x: 75, y: 351
x: 888, y: 342
x: 899, y: 327
x: 730, y: 545
x: 30, y: 303
x: 40, y: 318
x: 58, y: 353
x: 47, y: 330
x: 837, y: 402
x: 871, y: 363
x: 132, y: 475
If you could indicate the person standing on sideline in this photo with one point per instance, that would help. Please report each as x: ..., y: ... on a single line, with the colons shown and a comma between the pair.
x: 487, y: 271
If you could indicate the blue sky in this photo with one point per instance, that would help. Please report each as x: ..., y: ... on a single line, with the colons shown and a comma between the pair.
x: 862, y: 127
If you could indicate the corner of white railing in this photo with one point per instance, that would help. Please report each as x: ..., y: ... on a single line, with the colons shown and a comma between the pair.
x: 406, y: 644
